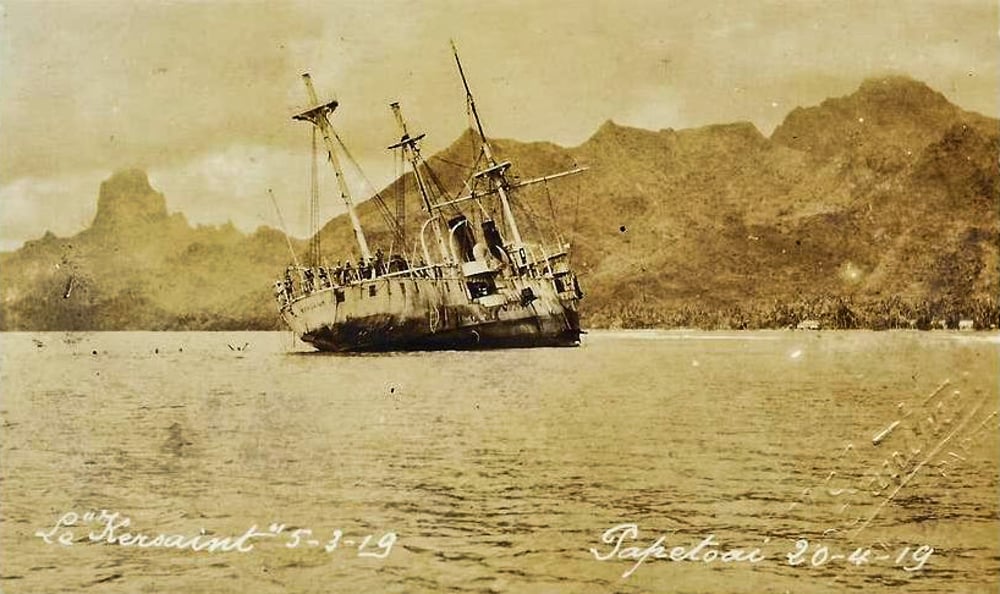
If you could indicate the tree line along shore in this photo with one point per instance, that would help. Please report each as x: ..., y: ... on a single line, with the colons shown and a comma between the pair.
x: 825, y: 312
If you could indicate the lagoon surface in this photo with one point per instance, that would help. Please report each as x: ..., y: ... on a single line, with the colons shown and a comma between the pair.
x: 870, y: 458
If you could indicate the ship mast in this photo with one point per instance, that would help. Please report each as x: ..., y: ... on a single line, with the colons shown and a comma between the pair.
x: 318, y: 115
x: 495, y: 172
x: 411, y: 149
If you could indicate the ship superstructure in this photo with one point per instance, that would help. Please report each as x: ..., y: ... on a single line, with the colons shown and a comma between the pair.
x: 470, y: 281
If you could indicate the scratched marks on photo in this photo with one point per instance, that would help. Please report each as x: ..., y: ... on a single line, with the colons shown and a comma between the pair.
x: 903, y: 464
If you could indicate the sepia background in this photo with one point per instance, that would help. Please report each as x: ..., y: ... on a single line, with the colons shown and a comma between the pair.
x: 753, y: 167
x: 199, y: 94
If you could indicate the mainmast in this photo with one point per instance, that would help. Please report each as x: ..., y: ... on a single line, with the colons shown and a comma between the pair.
x: 411, y: 149
x: 495, y: 172
x: 319, y: 116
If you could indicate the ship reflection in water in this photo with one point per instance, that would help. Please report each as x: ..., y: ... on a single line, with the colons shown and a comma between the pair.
x: 470, y: 286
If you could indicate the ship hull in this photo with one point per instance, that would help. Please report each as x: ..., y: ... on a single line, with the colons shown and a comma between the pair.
x: 401, y: 314
x: 376, y: 335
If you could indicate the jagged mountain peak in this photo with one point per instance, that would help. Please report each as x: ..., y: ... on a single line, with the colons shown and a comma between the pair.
x: 898, y: 88
x: 127, y: 198
x: 668, y: 226
x: 609, y: 127
x: 887, y: 110
x: 466, y: 143
x: 613, y: 131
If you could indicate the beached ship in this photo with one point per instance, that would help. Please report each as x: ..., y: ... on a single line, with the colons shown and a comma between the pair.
x: 471, y: 279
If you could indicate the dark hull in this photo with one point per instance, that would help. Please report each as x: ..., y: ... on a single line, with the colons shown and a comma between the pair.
x: 438, y: 312
x: 384, y: 333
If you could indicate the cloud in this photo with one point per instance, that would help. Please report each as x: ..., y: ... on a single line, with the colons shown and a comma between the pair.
x: 232, y: 186
x: 63, y: 204
x: 192, y: 91
x: 88, y: 85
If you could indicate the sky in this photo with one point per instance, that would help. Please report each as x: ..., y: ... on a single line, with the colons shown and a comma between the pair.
x: 200, y: 94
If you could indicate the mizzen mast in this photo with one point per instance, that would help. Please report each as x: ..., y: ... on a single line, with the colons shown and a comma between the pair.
x: 496, y: 171
x: 318, y: 115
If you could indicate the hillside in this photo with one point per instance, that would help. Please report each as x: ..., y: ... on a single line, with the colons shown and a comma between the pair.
x: 874, y: 209
x: 136, y: 267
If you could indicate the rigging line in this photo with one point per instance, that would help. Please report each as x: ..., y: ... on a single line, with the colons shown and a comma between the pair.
x: 390, y: 221
x: 576, y: 219
x: 357, y: 167
x: 281, y: 221
x: 469, y: 188
x: 552, y: 214
x: 314, y: 239
x: 576, y: 210
x: 455, y: 163
x: 401, y: 195
x: 439, y: 185
x: 533, y: 222
x: 532, y: 218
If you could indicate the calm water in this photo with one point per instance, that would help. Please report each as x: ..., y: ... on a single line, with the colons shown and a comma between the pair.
x: 499, y: 471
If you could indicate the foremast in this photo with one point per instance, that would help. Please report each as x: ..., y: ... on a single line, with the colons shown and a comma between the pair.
x: 318, y: 115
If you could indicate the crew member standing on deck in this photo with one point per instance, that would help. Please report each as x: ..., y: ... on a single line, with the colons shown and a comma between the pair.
x: 348, y: 273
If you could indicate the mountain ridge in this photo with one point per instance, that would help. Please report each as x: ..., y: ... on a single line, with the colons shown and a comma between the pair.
x: 887, y: 195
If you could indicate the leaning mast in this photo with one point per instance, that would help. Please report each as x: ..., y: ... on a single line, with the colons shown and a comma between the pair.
x: 318, y: 115
x: 495, y: 171
x: 411, y: 149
